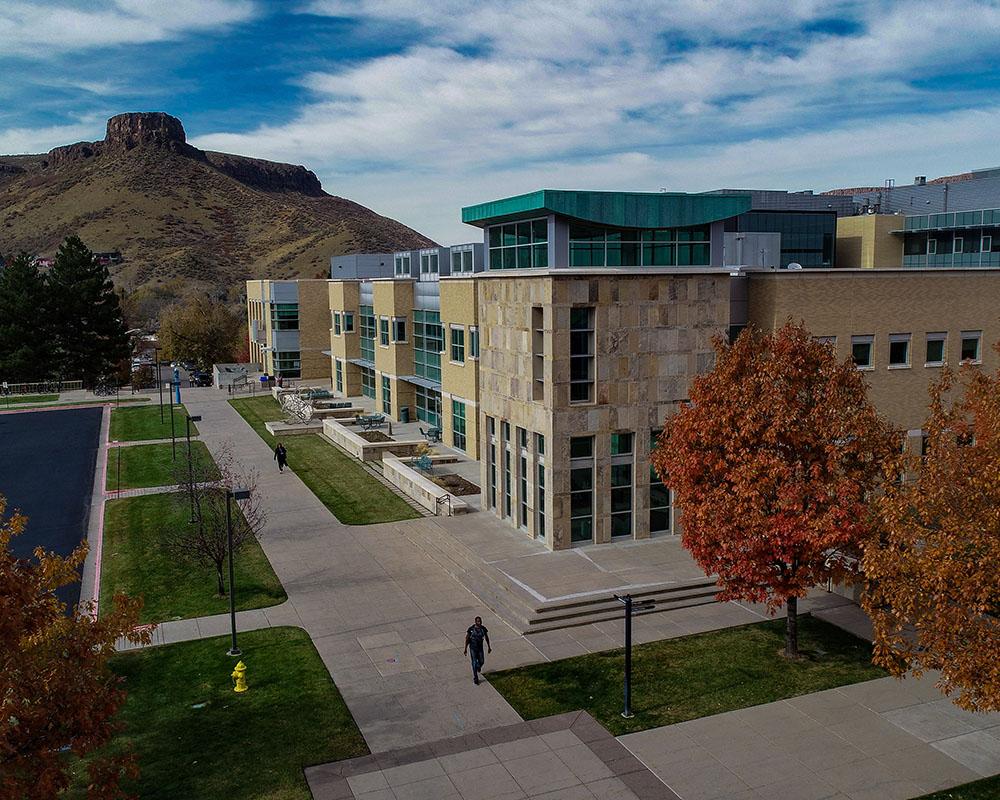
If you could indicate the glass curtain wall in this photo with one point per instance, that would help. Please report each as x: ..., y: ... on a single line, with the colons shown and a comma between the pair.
x: 591, y: 246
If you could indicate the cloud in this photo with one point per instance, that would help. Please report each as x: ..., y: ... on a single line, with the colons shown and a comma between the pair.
x: 16, y: 141
x: 39, y: 30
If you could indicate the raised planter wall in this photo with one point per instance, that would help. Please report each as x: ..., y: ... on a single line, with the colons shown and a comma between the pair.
x: 364, y: 450
x: 421, y: 489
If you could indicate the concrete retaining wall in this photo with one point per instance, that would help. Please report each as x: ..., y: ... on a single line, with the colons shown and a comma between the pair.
x: 364, y: 450
x: 421, y: 489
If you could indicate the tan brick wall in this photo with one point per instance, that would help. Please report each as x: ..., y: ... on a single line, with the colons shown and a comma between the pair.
x: 865, y: 242
x: 345, y: 296
x: 460, y: 381
x: 880, y: 303
x: 314, y: 330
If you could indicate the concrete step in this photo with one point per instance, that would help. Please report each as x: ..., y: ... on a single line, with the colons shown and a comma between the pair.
x: 526, y: 613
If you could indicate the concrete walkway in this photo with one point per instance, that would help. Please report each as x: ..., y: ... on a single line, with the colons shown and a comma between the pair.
x: 878, y: 740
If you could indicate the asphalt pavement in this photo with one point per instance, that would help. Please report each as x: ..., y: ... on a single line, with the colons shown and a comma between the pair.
x: 47, y: 471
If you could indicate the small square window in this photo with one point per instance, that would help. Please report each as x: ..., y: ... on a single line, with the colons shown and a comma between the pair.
x: 863, y: 351
x: 899, y: 350
x: 581, y: 447
x: 971, y: 345
x: 935, y: 349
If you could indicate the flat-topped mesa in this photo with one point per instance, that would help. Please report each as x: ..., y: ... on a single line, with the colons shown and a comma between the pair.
x: 126, y: 131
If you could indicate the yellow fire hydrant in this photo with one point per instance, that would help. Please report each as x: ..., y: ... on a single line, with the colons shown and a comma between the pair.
x: 239, y: 677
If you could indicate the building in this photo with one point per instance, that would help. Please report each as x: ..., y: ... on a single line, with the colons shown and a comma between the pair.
x: 288, y: 324
x: 553, y: 351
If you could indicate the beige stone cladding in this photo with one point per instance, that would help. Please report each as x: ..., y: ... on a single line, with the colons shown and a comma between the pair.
x: 887, y: 305
x: 460, y: 379
x: 866, y: 241
x: 652, y: 333
x: 314, y: 329
x: 344, y: 297
x: 392, y: 299
x: 258, y: 311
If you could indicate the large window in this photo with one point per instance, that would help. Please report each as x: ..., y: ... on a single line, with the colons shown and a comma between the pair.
x: 461, y: 261
x: 659, y: 495
x: 429, y: 406
x: 428, y: 342
x: 367, y: 332
x: 519, y: 245
x: 581, y: 480
x: 368, y: 382
x: 631, y: 247
x: 401, y: 262
x: 807, y: 237
x: 284, y: 316
x: 458, y: 424
x: 287, y: 364
x: 428, y: 262
x: 386, y: 395
x: 458, y: 344
x: 581, y: 355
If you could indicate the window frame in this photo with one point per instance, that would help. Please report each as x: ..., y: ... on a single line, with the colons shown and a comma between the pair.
x: 936, y: 336
x: 456, y: 350
x: 474, y: 342
x: 348, y: 322
x: 969, y: 335
x: 397, y: 324
x: 900, y: 338
x: 383, y: 331
x: 868, y: 339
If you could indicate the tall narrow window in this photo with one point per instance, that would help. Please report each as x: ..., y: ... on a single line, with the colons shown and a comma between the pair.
x: 581, y: 355
x: 491, y: 451
x: 458, y: 344
x: 338, y: 369
x: 383, y: 331
x: 621, y: 484
x: 537, y: 354
x: 367, y: 333
x: 348, y: 322
x: 581, y: 481
x: 522, y: 476
x: 659, y: 495
x: 399, y: 329
x: 458, y: 424
x: 386, y: 395
x: 540, y: 486
x: 507, y: 473
x: 336, y: 323
x: 473, y: 342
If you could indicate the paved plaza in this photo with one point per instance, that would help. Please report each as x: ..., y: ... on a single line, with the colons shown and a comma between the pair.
x: 388, y: 619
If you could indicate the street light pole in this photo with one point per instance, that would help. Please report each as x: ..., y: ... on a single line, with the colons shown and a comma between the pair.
x: 189, y: 420
x: 159, y: 383
x: 629, y: 608
x: 173, y: 439
x: 234, y: 494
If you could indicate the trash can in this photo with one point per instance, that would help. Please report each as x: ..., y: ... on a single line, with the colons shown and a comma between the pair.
x: 404, y: 414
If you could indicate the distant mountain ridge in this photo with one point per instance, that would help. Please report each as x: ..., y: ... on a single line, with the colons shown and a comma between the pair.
x: 184, y: 219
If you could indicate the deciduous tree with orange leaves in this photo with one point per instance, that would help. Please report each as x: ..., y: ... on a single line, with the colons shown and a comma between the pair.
x: 933, y: 590
x: 773, y: 463
x: 57, y: 695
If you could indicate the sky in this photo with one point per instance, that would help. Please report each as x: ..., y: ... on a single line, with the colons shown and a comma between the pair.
x: 416, y: 108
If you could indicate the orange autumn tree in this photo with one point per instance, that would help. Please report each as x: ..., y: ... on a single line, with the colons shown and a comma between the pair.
x: 57, y: 695
x: 933, y: 589
x: 772, y: 463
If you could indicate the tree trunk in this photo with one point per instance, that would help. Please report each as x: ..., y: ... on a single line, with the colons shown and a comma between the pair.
x: 792, y: 628
x: 222, y: 585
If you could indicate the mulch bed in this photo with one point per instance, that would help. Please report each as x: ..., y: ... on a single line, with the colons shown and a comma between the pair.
x: 375, y: 436
x: 455, y: 484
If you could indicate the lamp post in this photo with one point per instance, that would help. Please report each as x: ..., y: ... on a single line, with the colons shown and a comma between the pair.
x: 190, y: 419
x: 630, y: 606
x: 159, y: 383
x: 173, y: 438
x: 233, y: 494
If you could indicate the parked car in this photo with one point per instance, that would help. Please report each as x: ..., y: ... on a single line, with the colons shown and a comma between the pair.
x: 199, y: 378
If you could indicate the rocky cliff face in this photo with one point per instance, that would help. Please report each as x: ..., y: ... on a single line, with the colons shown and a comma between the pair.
x: 154, y: 129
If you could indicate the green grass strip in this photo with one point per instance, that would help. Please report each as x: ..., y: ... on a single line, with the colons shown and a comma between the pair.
x: 148, y: 465
x: 137, y: 563
x: 143, y: 423
x: 339, y: 481
x: 692, y: 676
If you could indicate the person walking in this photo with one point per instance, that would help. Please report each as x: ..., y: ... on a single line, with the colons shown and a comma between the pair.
x: 474, y: 638
x: 281, y: 456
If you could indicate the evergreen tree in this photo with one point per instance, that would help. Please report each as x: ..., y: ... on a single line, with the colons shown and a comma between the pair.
x: 90, y: 329
x: 25, y: 340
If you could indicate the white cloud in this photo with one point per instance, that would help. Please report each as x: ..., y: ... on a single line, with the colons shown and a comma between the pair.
x: 17, y: 141
x: 40, y: 29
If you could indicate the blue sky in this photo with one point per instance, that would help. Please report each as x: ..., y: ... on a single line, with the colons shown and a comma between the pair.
x: 417, y: 108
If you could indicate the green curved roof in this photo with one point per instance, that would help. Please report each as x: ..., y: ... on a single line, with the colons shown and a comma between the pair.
x: 617, y: 209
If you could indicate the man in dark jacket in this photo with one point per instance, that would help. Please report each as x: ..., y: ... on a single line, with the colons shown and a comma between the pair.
x: 281, y: 456
x: 474, y: 638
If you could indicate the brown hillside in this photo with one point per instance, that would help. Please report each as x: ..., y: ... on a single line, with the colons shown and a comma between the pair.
x: 184, y: 219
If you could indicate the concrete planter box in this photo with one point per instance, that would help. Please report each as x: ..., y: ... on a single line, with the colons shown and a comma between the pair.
x: 421, y: 489
x: 364, y: 450
x: 279, y: 428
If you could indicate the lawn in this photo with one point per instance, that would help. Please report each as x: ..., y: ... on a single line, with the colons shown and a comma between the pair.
x: 692, y: 676
x: 143, y: 423
x: 198, y: 740
x: 985, y: 789
x: 136, y: 562
x: 152, y: 464
x: 17, y: 399
x: 339, y: 481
